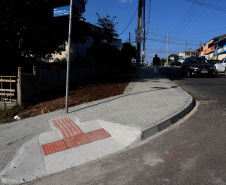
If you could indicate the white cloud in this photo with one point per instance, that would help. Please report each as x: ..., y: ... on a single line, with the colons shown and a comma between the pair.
x: 125, y: 1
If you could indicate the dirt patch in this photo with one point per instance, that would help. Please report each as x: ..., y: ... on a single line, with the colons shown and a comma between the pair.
x: 84, y: 93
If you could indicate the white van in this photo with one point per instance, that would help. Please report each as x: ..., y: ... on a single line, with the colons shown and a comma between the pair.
x: 181, y: 60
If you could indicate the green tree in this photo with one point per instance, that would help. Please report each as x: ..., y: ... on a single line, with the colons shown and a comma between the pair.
x: 176, y: 58
x: 128, y: 52
x: 108, y: 28
x: 163, y: 61
x: 106, y: 56
x: 29, y: 30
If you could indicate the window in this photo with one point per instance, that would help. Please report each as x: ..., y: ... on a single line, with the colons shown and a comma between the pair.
x: 223, y: 60
x: 197, y: 60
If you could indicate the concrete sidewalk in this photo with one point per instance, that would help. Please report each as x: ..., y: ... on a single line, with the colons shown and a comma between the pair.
x: 97, y: 129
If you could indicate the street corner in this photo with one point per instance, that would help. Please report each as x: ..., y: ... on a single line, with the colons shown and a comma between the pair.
x: 125, y: 135
x: 70, y: 144
x: 27, y: 165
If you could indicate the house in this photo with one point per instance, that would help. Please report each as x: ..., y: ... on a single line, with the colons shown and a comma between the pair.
x: 79, y: 49
x: 220, y: 50
x: 188, y: 54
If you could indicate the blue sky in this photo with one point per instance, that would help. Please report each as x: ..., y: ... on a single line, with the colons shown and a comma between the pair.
x: 185, y: 21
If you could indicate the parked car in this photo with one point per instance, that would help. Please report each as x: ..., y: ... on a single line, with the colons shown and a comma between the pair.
x: 197, y: 66
x: 220, y: 67
x: 213, y: 61
x: 178, y: 63
x: 181, y: 60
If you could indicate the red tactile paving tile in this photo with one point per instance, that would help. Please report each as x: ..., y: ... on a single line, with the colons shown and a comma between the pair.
x: 73, y: 136
x: 54, y: 147
x: 67, y: 127
x: 76, y: 141
x: 73, y: 125
x: 97, y: 135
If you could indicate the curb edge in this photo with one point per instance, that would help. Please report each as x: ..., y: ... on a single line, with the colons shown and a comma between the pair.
x: 163, y: 125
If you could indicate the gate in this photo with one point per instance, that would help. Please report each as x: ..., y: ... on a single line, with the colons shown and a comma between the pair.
x: 8, y: 89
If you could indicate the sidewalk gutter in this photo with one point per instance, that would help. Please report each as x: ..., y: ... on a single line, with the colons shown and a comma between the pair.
x: 166, y: 123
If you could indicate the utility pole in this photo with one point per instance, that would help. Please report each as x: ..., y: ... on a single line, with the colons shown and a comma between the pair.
x: 186, y: 46
x: 139, y: 44
x: 167, y: 49
x: 190, y: 52
x: 143, y: 53
x: 200, y: 48
x: 68, y: 59
x: 217, y: 50
x: 129, y: 37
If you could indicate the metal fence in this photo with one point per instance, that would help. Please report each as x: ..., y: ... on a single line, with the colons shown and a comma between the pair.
x: 8, y: 88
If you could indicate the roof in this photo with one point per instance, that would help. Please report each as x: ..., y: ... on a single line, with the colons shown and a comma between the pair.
x: 220, y: 37
x: 222, y: 40
x: 195, y: 57
x: 217, y: 38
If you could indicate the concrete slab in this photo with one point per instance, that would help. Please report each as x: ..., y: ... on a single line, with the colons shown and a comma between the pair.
x: 124, y: 135
x: 49, y: 137
x: 80, y: 155
x: 89, y: 126
x: 28, y: 164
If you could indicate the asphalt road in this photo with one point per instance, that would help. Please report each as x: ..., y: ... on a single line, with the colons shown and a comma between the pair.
x: 190, y: 152
x: 202, y: 88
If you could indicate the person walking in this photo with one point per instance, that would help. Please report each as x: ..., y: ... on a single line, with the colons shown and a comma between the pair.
x: 156, y: 63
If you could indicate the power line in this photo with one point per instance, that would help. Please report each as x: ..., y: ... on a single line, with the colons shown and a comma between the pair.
x: 129, y: 23
x: 149, y: 17
x: 182, y: 20
x: 175, y: 38
x: 189, y: 18
x: 213, y: 6
x: 176, y: 43
x: 203, y: 32
x: 192, y: 18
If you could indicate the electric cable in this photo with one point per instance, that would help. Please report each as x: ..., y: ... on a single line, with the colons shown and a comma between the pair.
x: 188, y: 19
x: 182, y: 20
x: 192, y: 18
x: 175, y: 38
x: 204, y: 32
x: 128, y: 23
x: 214, y: 5
x: 164, y: 41
x: 149, y: 17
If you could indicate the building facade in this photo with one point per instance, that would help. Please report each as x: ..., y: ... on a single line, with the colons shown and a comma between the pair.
x: 79, y: 49
x: 188, y: 54
x: 214, y: 48
x: 220, y: 50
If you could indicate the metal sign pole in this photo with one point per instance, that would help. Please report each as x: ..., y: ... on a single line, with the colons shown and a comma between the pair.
x: 68, y: 58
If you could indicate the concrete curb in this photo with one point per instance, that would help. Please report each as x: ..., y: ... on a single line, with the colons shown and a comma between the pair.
x: 166, y: 123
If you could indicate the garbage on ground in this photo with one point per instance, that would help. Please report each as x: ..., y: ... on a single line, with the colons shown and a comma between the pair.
x: 16, y: 117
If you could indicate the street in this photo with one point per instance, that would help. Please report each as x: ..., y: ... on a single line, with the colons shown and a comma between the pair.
x: 144, y: 104
x: 191, y: 151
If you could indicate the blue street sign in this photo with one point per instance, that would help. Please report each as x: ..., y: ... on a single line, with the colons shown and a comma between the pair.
x: 61, y: 11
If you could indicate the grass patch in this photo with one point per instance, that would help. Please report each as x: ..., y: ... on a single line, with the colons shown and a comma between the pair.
x: 7, y: 115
